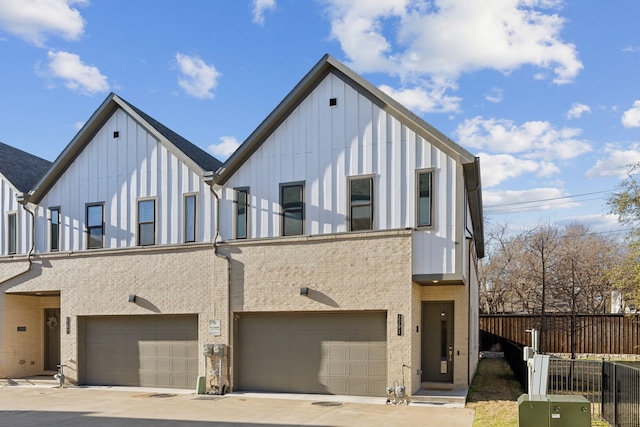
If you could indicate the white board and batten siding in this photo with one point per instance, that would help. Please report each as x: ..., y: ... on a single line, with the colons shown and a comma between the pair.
x: 321, y: 146
x: 9, y: 205
x: 118, y: 172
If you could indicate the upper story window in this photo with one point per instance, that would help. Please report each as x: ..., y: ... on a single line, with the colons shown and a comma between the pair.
x: 95, y: 226
x: 424, y: 191
x: 12, y: 237
x: 361, y: 203
x: 292, y: 203
x: 54, y: 230
x: 242, y: 213
x: 146, y: 222
x: 190, y: 218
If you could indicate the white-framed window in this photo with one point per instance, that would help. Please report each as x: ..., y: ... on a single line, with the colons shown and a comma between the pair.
x: 424, y: 198
x: 12, y: 233
x: 146, y: 222
x: 242, y: 213
x: 361, y: 198
x: 95, y: 225
x: 190, y: 209
x: 292, y: 205
x: 54, y: 229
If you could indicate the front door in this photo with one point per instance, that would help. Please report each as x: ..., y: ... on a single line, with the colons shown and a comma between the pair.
x: 437, y: 341
x: 51, y: 339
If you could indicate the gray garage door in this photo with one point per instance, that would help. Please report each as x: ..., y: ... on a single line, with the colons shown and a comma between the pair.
x: 313, y: 353
x: 146, y: 351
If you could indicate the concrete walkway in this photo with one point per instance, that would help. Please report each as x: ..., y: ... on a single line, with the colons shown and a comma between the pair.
x: 29, y: 405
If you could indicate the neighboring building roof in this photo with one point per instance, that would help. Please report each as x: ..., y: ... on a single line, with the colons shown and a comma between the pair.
x: 20, y: 168
x: 193, y: 156
x: 327, y: 65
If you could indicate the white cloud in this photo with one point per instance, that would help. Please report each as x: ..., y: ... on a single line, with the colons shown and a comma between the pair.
x: 75, y: 75
x: 452, y: 37
x: 616, y: 163
x: 197, y: 78
x: 34, y: 20
x: 259, y: 7
x: 533, y: 140
x: 577, y: 110
x: 426, y: 99
x: 631, y: 117
x: 495, y: 95
x: 224, y: 148
x: 496, y: 169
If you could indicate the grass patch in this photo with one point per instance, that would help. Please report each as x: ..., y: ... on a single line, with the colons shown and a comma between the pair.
x: 494, y: 393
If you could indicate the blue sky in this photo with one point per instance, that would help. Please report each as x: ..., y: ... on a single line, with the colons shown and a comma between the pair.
x: 546, y: 92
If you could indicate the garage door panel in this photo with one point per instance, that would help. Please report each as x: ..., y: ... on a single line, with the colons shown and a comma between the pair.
x: 150, y: 351
x: 335, y: 353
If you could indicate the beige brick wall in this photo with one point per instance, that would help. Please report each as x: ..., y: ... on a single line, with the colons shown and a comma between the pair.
x: 21, y: 352
x: 344, y: 272
x: 166, y: 280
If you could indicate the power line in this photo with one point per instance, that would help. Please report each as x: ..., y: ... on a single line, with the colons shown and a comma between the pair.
x: 523, y: 208
x: 550, y: 199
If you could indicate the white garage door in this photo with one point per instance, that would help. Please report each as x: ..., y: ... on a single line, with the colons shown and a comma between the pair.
x: 333, y: 353
x: 145, y: 351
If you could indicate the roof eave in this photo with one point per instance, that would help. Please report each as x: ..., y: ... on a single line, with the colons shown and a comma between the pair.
x: 474, y: 196
x: 97, y: 120
x: 71, y: 151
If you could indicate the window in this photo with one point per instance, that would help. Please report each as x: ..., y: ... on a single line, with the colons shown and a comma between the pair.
x: 13, y: 233
x: 54, y: 230
x: 292, y: 202
x: 95, y: 226
x: 424, y: 191
x: 242, y: 213
x: 146, y: 222
x: 190, y: 218
x: 360, y: 204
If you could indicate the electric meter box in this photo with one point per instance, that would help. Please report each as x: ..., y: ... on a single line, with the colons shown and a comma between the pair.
x: 553, y: 410
x: 218, y: 349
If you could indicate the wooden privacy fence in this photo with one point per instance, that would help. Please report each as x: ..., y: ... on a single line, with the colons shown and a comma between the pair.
x: 593, y: 333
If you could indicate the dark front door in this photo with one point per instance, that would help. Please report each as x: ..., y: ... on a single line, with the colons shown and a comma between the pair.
x: 437, y: 341
x: 51, y: 339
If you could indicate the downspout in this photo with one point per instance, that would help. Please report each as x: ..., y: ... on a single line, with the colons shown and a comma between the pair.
x: 24, y: 201
x: 470, y: 240
x: 228, y: 259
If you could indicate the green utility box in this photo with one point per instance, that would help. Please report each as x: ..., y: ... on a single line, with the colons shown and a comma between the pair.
x: 553, y: 410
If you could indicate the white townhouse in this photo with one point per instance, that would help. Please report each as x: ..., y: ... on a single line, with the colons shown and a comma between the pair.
x: 334, y: 252
x: 352, y: 229
x: 124, y: 231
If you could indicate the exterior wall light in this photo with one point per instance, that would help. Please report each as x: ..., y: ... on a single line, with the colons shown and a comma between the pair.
x: 304, y: 291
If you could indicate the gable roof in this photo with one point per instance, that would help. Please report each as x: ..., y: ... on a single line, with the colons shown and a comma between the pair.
x: 20, y: 168
x: 193, y: 156
x: 310, y: 81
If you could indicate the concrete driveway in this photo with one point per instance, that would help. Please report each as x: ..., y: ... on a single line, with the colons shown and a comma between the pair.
x: 103, y: 406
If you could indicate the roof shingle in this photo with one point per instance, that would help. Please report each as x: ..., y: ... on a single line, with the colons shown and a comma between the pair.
x: 20, y: 168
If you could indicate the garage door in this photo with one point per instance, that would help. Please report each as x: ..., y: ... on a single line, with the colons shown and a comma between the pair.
x: 313, y: 353
x: 146, y: 351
